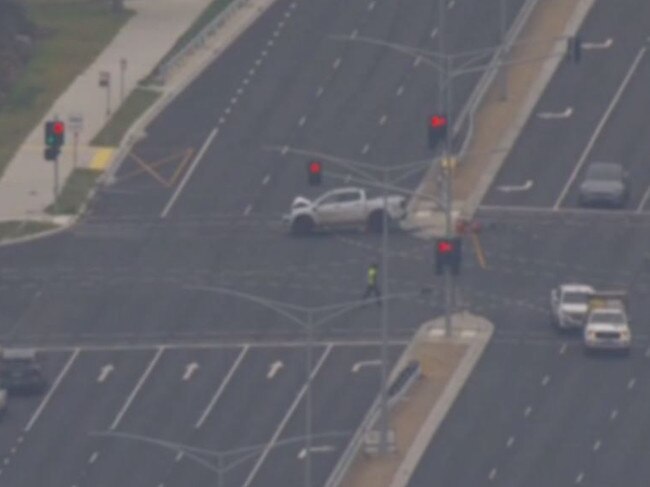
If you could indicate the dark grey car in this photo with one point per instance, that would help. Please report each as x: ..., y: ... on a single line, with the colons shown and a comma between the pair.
x: 604, y: 184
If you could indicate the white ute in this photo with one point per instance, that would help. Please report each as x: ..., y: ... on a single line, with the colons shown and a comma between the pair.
x: 570, y: 305
x: 607, y: 326
x: 343, y: 207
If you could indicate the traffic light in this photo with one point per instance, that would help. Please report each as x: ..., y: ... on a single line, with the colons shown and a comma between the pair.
x: 448, y: 255
x: 574, y: 48
x: 54, y: 139
x: 437, y: 130
x: 314, y: 173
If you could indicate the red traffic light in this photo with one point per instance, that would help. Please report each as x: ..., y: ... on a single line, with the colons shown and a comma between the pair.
x: 315, y: 167
x: 438, y: 121
x: 445, y: 247
x: 58, y: 128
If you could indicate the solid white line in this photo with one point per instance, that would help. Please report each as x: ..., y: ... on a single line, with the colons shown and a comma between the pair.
x: 189, y: 172
x: 551, y: 211
x: 55, y: 385
x: 600, y: 126
x: 285, y: 420
x: 137, y: 388
x: 643, y: 200
x: 222, y: 387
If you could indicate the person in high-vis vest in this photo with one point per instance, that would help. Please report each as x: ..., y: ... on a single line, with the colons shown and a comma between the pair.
x: 372, y: 286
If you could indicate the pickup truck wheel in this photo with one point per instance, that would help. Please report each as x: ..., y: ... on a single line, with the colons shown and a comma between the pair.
x: 376, y: 221
x: 303, y: 225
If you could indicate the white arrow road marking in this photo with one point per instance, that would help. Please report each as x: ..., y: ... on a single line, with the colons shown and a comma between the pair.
x: 189, y: 370
x: 274, y: 369
x: 598, y: 45
x: 365, y: 363
x: 568, y: 111
x: 315, y: 449
x: 522, y: 187
x: 104, y: 372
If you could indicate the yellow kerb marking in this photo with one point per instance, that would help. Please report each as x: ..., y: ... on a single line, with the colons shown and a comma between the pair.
x: 102, y: 158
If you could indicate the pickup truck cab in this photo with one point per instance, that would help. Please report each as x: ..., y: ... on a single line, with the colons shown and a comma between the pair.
x: 570, y: 305
x: 607, y: 327
x: 343, y: 207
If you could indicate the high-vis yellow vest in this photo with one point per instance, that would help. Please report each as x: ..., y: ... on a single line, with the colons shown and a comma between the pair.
x: 372, y: 276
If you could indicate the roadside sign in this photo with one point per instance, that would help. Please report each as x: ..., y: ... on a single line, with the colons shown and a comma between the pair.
x: 76, y: 122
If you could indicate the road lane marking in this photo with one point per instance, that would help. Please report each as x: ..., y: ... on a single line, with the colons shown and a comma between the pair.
x: 600, y: 126
x: 434, y: 33
x: 222, y: 387
x: 580, y: 478
x: 274, y: 368
x: 336, y: 63
x: 568, y: 111
x: 190, y: 370
x: 528, y: 410
x: 189, y: 173
x: 493, y: 473
x: 400, y: 90
x: 613, y: 415
x: 354, y: 34
x: 606, y: 44
x: 285, y: 420
x: 510, y: 442
x: 269, y: 43
x: 597, y: 445
x: 266, y: 179
x: 93, y: 458
x: 417, y: 61
x: 54, y: 387
x: 136, y: 389
x: 315, y: 449
x: 631, y: 383
x: 319, y: 91
x: 546, y: 380
x: 364, y: 363
x: 302, y: 120
x: 248, y: 209
x: 104, y: 372
x: 382, y: 120
x: 644, y: 200
x: 365, y: 149
x: 563, y: 349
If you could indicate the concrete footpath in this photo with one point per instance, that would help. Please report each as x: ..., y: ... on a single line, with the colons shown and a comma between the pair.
x: 27, y: 186
x: 446, y: 364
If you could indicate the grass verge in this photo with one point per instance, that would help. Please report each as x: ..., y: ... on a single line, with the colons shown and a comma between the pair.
x: 16, y: 229
x: 74, y: 192
x: 134, y: 106
x: 207, y: 16
x: 73, y: 33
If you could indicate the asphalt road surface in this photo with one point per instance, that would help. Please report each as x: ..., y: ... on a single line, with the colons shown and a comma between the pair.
x: 538, y: 411
x: 178, y: 415
x: 196, y: 207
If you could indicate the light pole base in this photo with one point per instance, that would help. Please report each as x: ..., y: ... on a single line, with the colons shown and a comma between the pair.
x: 372, y: 442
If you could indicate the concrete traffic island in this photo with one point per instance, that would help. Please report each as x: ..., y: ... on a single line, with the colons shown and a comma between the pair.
x: 446, y: 364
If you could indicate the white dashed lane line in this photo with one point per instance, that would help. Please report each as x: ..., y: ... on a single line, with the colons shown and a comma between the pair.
x: 52, y: 390
x: 383, y: 119
x: 336, y: 63
x: 400, y: 91
x: 302, y: 120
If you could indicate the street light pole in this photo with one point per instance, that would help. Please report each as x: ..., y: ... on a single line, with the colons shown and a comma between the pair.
x: 383, y: 442
x: 308, y: 399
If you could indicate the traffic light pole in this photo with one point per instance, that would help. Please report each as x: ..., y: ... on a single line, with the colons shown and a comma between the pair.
x: 443, y: 98
x: 56, y: 183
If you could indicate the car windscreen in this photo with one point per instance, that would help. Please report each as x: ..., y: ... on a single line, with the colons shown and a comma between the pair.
x: 614, y: 318
x: 604, y: 172
x: 572, y: 297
